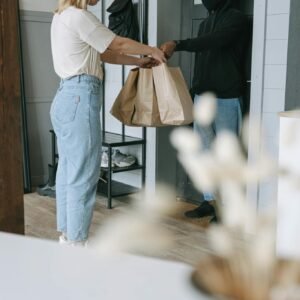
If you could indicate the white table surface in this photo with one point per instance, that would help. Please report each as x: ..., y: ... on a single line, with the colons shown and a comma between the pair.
x: 32, y: 269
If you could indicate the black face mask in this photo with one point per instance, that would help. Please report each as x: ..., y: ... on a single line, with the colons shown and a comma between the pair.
x: 211, y: 4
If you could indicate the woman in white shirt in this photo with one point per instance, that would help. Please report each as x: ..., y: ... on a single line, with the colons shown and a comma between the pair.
x: 79, y: 44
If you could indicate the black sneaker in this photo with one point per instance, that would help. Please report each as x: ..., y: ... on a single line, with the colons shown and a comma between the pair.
x: 204, y: 210
x: 215, y: 220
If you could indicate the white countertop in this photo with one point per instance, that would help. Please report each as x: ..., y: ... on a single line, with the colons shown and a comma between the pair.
x: 33, y: 269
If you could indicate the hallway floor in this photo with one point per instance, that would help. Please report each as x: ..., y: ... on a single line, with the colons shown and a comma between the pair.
x: 188, y: 247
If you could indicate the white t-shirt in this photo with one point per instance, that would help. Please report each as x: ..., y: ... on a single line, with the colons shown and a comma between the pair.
x: 77, y: 39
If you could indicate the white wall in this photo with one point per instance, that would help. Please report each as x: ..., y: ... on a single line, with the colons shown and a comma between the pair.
x: 38, y: 5
x: 277, y: 31
x: 44, y: 5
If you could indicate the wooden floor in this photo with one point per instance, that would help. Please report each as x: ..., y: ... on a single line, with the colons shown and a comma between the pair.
x: 189, y: 245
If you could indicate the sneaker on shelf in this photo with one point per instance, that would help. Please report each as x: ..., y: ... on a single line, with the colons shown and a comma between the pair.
x: 104, y: 160
x: 123, y: 160
x: 103, y: 176
x: 46, y: 190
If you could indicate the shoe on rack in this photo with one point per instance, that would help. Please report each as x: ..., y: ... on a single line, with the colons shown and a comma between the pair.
x: 46, y: 190
x: 104, y: 160
x: 204, y: 210
x: 103, y: 176
x: 123, y: 160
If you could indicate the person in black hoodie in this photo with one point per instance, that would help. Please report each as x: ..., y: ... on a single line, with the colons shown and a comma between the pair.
x: 219, y: 68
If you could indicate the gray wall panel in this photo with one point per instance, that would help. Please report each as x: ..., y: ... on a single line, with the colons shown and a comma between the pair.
x: 41, y: 83
x: 39, y: 138
x: 40, y: 79
x: 169, y: 28
x: 293, y: 65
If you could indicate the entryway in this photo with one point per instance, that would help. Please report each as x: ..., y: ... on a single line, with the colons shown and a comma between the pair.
x: 193, y: 13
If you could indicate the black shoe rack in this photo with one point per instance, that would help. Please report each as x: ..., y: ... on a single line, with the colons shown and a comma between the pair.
x: 112, y: 188
x: 106, y: 185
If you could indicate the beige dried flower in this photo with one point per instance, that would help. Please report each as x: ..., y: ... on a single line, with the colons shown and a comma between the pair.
x: 227, y: 149
x: 205, y: 110
x: 220, y: 241
x: 202, y: 169
x: 244, y: 246
x: 139, y: 230
x: 132, y: 234
x: 185, y: 140
x: 286, y: 293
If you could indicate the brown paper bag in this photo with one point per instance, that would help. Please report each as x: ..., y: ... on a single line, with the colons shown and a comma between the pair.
x: 136, y: 104
x: 174, y: 101
x: 146, y: 108
x: 123, y: 107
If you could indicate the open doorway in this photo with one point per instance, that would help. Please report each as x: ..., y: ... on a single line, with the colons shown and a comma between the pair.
x: 193, y: 13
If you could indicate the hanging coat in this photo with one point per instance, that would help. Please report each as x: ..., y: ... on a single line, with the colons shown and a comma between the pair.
x: 123, y: 19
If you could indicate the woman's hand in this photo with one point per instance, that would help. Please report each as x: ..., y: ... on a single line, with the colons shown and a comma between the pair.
x: 158, y: 55
x: 147, y: 62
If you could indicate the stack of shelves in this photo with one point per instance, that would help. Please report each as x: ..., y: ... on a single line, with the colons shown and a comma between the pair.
x: 113, y: 188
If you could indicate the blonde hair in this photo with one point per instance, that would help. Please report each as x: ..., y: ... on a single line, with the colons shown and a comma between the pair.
x: 63, y: 4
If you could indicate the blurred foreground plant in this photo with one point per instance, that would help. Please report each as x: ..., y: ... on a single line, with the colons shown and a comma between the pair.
x: 139, y: 230
x: 243, y: 263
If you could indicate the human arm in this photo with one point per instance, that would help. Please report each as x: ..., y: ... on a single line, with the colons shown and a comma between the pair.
x: 128, y: 46
x: 113, y: 57
x: 222, y: 37
x: 101, y: 38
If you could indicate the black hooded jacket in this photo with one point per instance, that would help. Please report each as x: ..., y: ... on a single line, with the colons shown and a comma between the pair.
x: 220, y: 51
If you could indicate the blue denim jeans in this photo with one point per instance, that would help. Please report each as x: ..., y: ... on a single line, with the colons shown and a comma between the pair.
x: 228, y: 117
x: 75, y: 116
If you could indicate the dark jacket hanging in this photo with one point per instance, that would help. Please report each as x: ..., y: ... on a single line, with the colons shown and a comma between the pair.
x: 123, y: 19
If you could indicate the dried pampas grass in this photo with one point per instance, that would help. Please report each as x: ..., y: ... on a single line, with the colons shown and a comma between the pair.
x: 243, y: 263
x: 215, y: 275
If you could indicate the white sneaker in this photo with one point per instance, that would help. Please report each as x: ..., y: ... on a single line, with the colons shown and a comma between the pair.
x: 63, y: 239
x: 83, y: 244
x: 104, y: 160
x: 123, y: 160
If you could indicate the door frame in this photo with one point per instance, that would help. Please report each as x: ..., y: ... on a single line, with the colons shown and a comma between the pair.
x: 11, y: 175
x: 257, y: 91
